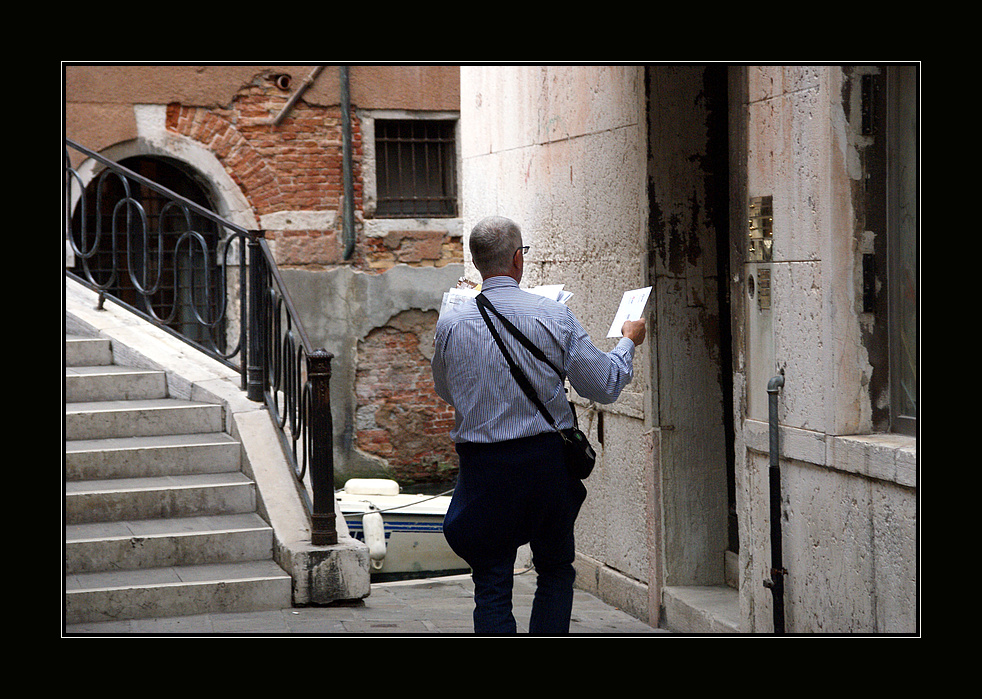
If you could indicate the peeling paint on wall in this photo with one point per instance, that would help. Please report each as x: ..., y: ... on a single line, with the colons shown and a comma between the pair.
x: 399, y: 417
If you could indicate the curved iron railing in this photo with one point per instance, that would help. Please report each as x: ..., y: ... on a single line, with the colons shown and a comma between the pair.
x: 185, y: 281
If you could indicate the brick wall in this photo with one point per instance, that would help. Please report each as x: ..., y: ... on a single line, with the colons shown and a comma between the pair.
x: 296, y: 166
x: 399, y: 417
x: 413, y: 248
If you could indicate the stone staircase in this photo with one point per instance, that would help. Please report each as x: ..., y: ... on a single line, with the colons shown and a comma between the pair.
x: 160, y: 520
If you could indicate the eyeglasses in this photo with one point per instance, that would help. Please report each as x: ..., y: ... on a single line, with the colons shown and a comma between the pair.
x: 524, y: 249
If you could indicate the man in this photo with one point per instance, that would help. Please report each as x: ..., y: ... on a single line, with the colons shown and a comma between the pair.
x: 513, y: 487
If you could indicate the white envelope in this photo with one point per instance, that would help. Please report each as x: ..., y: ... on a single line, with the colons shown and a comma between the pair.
x: 631, y: 308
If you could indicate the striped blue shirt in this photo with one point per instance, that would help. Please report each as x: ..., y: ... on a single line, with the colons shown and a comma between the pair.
x: 471, y: 374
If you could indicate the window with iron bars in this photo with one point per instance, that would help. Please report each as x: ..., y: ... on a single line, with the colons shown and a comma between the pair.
x: 415, y: 168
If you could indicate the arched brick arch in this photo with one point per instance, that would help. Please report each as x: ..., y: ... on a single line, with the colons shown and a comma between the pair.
x: 256, y: 177
x: 295, y: 165
x: 224, y: 192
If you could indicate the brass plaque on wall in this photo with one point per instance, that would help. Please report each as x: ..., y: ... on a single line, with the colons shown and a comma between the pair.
x: 761, y: 230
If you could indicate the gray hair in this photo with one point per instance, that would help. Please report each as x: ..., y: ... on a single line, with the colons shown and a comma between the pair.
x: 493, y: 243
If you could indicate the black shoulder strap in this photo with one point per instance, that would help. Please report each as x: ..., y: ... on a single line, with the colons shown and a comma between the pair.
x: 483, y: 302
x: 516, y: 372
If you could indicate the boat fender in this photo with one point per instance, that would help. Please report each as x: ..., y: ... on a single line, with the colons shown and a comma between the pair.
x: 371, y: 486
x: 374, y: 530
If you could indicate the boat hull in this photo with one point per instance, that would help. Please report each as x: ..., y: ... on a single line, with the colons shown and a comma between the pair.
x: 414, y: 544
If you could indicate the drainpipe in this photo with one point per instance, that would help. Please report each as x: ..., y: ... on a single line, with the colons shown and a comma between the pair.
x: 297, y: 95
x: 349, y: 197
x: 776, y: 581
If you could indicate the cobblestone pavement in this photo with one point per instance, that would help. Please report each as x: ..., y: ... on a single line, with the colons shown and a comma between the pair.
x: 433, y: 606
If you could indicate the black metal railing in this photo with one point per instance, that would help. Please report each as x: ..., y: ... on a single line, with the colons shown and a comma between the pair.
x: 147, y: 247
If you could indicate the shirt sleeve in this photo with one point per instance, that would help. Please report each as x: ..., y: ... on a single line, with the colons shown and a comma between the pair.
x: 438, y: 366
x: 595, y: 375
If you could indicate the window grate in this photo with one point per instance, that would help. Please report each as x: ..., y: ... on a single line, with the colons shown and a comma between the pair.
x: 415, y: 162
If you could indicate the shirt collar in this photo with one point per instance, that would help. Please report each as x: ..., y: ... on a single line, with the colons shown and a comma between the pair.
x: 499, y: 282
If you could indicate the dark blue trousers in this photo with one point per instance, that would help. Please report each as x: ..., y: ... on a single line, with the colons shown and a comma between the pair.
x: 509, y: 494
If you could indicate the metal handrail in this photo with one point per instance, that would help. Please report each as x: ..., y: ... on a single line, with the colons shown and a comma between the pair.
x: 133, y: 233
x: 276, y: 361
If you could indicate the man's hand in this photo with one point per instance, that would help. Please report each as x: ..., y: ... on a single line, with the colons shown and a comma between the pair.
x: 634, y: 330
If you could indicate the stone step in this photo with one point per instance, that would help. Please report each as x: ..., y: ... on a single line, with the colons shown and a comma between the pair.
x: 161, y: 455
x: 158, y: 543
x: 158, y: 497
x: 87, y: 351
x: 159, y: 518
x: 112, y: 382
x: 140, y: 418
x: 176, y: 591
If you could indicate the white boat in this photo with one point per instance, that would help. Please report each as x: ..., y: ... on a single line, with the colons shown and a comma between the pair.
x: 404, y: 532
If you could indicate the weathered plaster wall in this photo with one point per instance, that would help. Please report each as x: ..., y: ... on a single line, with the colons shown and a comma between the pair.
x: 342, y: 309
x: 849, y: 527
x: 558, y: 149
x: 95, y: 92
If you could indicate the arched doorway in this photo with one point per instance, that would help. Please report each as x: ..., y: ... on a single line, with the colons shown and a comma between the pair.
x: 154, y: 256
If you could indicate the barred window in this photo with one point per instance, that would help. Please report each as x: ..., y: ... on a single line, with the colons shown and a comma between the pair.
x: 416, y: 168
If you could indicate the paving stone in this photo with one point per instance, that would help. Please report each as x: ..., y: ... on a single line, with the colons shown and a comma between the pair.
x: 408, y: 608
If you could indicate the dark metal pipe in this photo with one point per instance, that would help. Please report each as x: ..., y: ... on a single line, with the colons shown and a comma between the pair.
x: 776, y: 581
x: 254, y: 353
x: 323, y: 518
x: 346, y: 159
x: 280, y: 83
